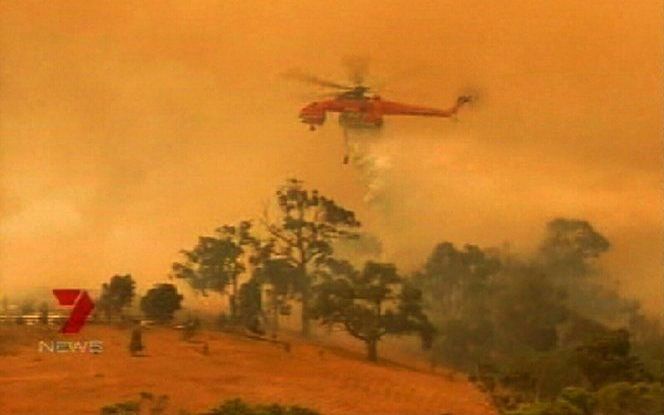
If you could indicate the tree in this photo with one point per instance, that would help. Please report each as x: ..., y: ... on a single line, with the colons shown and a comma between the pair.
x: 160, y: 302
x: 451, y: 276
x: 570, y: 245
x: 529, y: 308
x: 370, y: 304
x: 303, y: 233
x: 457, y: 285
x: 43, y: 313
x: 606, y: 358
x: 623, y: 398
x: 250, y: 307
x: 279, y: 275
x: 216, y: 262
x: 116, y: 295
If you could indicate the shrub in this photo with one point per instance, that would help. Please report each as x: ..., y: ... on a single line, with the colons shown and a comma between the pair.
x: 239, y: 407
x: 631, y: 399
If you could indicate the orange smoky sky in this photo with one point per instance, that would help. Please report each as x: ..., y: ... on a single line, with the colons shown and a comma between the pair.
x: 130, y: 128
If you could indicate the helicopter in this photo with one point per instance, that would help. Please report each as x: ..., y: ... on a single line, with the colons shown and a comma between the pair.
x: 361, y: 109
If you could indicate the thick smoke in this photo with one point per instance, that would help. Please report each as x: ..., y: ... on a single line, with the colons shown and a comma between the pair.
x: 128, y: 131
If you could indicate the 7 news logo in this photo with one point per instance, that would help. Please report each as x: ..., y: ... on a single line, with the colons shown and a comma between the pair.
x: 82, y: 305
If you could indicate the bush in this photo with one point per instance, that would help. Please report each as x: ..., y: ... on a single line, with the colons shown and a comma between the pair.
x: 161, y: 302
x: 239, y: 407
x: 631, y: 399
x: 558, y: 407
x: 148, y: 403
x: 619, y: 398
x: 607, y: 359
x: 123, y: 408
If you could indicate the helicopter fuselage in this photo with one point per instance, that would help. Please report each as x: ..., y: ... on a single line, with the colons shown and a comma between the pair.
x: 359, y: 111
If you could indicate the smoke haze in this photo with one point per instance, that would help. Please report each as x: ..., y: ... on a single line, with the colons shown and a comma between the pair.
x: 129, y: 128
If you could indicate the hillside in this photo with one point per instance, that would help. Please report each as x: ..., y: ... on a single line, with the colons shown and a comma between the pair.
x: 330, y: 380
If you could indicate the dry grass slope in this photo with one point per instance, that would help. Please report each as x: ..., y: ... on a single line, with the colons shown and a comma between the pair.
x: 328, y: 380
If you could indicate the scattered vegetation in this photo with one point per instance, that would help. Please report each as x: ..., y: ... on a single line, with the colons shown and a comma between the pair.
x: 149, y: 404
x: 239, y: 407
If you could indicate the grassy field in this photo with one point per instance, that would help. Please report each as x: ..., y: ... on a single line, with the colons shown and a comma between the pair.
x: 328, y: 379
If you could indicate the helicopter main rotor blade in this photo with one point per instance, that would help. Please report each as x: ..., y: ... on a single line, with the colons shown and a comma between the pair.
x: 312, y: 79
x: 358, y: 68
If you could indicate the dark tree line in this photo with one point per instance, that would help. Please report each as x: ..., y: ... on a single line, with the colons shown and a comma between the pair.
x: 528, y: 328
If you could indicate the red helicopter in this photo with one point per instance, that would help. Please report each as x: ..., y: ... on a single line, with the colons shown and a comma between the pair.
x: 358, y: 108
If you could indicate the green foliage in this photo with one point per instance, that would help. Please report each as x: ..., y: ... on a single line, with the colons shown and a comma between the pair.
x: 148, y: 404
x: 369, y: 304
x: 528, y: 308
x: 536, y: 325
x: 216, y: 261
x: 116, y: 295
x: 568, y: 257
x: 161, y: 302
x: 280, y: 277
x: 303, y: 234
x: 648, y: 344
x: 250, y: 310
x: 631, y: 399
x: 606, y: 359
x: 457, y: 285
x: 239, y: 407
x: 569, y: 245
x: 464, y: 344
x: 560, y: 407
x: 278, y: 272
x: 620, y: 398
x: 123, y: 408
x: 457, y: 280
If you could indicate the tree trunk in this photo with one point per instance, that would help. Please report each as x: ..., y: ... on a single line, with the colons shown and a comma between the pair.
x: 273, y: 311
x: 232, y: 307
x: 233, y: 299
x: 306, y: 323
x: 372, y: 350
